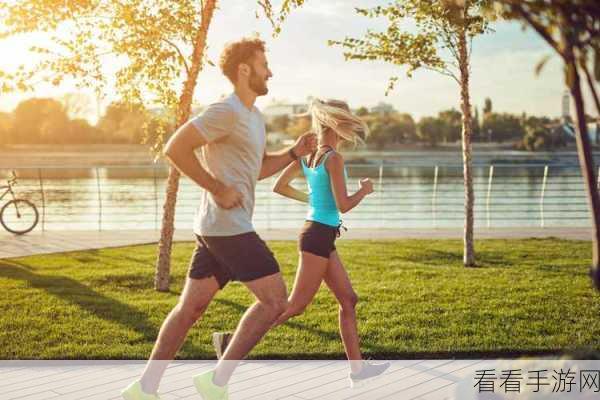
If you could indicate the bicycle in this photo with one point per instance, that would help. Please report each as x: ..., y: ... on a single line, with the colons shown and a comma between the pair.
x: 18, y: 216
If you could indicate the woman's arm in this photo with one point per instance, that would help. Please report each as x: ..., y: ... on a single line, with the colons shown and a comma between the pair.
x: 345, y: 203
x: 282, y: 184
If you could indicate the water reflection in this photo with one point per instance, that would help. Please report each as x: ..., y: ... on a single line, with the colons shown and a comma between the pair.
x: 406, y: 197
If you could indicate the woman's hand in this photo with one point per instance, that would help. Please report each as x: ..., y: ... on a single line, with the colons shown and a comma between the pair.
x: 366, y: 186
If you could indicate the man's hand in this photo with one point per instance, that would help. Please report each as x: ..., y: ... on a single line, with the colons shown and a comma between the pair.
x: 227, y: 197
x: 366, y: 186
x: 306, y: 144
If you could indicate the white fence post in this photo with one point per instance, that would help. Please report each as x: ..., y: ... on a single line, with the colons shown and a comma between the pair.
x: 382, y: 214
x: 544, y: 182
x: 489, y: 195
x: 434, y: 196
x: 99, y: 199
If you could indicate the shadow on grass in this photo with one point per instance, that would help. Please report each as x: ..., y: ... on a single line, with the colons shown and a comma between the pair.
x: 329, y: 335
x: 442, y: 258
x: 91, y: 301
x: 95, y: 255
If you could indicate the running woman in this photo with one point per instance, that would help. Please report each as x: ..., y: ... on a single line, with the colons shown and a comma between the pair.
x: 327, y: 196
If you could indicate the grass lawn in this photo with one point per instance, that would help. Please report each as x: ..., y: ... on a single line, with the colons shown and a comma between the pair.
x: 416, y: 300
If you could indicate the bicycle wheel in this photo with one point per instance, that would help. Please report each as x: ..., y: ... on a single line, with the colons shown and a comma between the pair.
x: 19, y: 216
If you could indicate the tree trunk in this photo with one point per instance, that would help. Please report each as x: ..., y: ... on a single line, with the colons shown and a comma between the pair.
x: 590, y: 82
x: 469, y: 251
x: 163, y: 262
x: 586, y: 160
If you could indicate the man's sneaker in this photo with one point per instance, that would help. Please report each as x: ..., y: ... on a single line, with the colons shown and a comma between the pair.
x: 367, y: 372
x: 135, y: 392
x: 207, y: 389
x: 220, y: 342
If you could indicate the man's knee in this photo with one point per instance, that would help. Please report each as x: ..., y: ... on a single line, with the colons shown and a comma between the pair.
x: 275, y: 305
x: 191, y: 310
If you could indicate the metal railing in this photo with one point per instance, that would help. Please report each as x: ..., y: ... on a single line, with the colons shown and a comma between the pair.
x: 131, y: 197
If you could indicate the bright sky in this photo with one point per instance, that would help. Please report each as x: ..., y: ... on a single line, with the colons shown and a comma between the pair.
x: 303, y: 65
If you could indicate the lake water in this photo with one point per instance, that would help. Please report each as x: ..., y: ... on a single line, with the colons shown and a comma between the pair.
x: 408, y: 194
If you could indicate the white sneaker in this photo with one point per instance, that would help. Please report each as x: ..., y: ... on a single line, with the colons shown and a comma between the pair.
x: 367, y: 372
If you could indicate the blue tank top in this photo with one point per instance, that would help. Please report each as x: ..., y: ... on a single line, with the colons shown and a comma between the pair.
x: 321, y: 203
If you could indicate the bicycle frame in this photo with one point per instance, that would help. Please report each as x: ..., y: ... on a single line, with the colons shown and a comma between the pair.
x: 7, y: 191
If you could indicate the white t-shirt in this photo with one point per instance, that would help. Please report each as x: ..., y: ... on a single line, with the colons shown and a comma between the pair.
x: 236, y: 140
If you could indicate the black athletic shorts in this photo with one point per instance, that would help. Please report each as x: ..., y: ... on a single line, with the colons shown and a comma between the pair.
x: 243, y: 257
x: 317, y: 238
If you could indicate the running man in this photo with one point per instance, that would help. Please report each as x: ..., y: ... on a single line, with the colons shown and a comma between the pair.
x: 231, y: 136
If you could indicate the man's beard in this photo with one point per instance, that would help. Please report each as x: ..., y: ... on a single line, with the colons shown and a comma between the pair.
x: 257, y: 85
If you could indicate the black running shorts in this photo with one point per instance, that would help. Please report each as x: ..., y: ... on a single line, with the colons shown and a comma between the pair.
x: 243, y: 257
x: 318, y: 239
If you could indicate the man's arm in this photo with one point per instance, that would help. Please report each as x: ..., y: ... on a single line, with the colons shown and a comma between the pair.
x: 276, y: 161
x: 180, y: 151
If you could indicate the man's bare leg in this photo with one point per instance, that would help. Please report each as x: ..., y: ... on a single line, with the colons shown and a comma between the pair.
x: 270, y: 293
x: 195, y: 298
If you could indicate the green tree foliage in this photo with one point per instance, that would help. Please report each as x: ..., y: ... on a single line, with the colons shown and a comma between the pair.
x: 451, y: 121
x: 46, y: 121
x: 123, y: 123
x: 83, y: 133
x: 40, y: 121
x: 476, y: 124
x: 428, y: 130
x: 5, y: 128
x: 502, y: 127
x: 487, y: 106
x: 542, y: 133
x: 390, y: 128
x: 362, y: 111
x: 444, y: 128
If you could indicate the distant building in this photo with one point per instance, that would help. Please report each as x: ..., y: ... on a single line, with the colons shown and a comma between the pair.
x: 276, y: 109
x: 566, y: 106
x: 278, y: 138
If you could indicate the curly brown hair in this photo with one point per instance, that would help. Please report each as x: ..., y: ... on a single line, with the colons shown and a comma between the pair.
x: 239, y: 52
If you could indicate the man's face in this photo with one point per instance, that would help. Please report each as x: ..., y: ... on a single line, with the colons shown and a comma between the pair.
x: 259, y: 74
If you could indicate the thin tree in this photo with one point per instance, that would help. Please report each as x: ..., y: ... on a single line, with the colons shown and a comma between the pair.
x: 572, y: 30
x: 442, y: 43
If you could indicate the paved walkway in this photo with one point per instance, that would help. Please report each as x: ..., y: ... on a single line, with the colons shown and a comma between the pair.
x: 311, y: 380
x: 253, y: 380
x: 61, y: 241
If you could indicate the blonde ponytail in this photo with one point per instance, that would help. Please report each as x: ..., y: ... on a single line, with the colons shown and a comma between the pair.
x: 336, y: 115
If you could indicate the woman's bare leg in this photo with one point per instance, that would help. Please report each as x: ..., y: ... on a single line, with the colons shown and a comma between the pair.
x: 338, y: 281
x: 311, y: 269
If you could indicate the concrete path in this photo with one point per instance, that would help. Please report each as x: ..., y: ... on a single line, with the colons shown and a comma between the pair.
x: 255, y: 380
x: 62, y: 241
x: 312, y: 380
